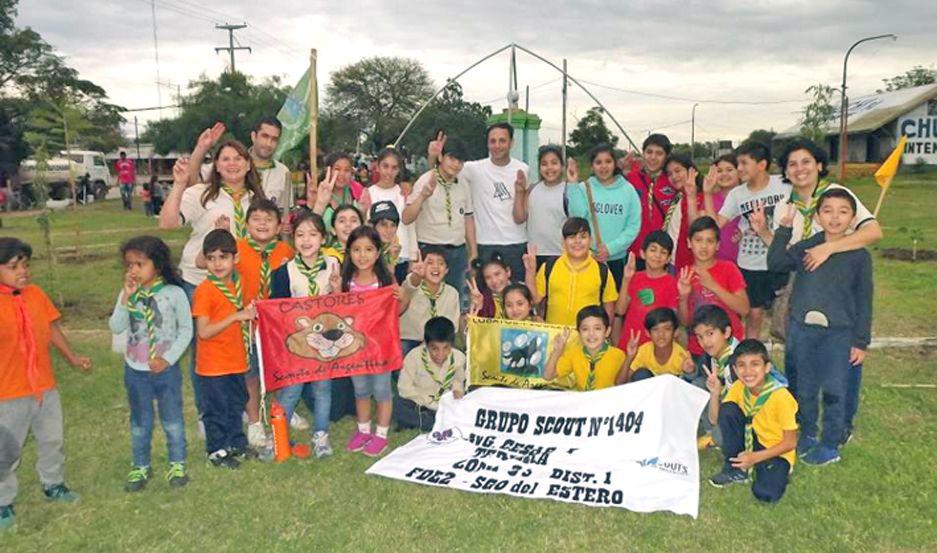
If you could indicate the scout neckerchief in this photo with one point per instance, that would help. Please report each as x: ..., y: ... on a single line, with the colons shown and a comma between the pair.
x: 446, y: 382
x: 145, y: 296
x: 27, y: 345
x: 237, y: 300
x: 499, y: 305
x: 650, y: 193
x: 311, y: 273
x: 723, y: 366
x: 346, y: 196
x: 752, y: 404
x: 447, y: 188
x: 671, y: 209
x: 264, y: 252
x: 433, y: 297
x: 593, y: 359
x: 240, y: 220
x: 808, y: 208
x: 260, y: 164
x: 388, y: 257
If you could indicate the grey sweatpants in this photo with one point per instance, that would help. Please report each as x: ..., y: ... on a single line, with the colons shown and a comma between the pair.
x: 19, y: 416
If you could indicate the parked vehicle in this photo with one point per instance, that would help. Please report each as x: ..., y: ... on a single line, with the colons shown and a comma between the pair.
x: 83, y: 163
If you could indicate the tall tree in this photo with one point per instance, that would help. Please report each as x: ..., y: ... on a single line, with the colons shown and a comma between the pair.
x: 916, y: 76
x: 378, y: 95
x: 451, y: 113
x: 590, y: 131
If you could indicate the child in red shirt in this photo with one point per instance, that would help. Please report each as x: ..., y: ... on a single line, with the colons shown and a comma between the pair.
x: 643, y: 291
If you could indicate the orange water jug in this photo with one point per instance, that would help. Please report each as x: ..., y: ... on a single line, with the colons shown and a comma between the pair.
x: 281, y: 433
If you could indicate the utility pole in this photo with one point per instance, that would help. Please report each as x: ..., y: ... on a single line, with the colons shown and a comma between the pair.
x: 230, y: 48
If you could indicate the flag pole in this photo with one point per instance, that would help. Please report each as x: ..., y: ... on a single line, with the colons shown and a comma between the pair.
x: 881, y: 198
x: 313, y: 103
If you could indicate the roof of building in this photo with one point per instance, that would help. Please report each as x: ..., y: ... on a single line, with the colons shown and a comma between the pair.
x: 871, y: 112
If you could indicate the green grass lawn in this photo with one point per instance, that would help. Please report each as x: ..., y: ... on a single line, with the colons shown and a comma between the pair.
x: 881, y: 497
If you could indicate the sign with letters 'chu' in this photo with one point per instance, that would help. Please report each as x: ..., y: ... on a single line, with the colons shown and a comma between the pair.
x: 632, y: 447
x: 920, y: 126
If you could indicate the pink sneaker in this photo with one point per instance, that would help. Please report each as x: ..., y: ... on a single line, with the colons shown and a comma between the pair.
x: 375, y: 447
x: 359, y: 440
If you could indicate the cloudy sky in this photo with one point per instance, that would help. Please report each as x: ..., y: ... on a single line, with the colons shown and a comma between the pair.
x: 746, y: 65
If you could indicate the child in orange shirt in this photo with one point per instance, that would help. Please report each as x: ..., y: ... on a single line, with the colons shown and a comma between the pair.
x: 222, y: 324
x: 28, y: 395
x: 260, y: 253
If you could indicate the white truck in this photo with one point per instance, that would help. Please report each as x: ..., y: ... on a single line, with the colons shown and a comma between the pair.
x: 85, y: 164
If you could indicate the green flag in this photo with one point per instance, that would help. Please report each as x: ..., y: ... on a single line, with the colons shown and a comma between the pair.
x: 294, y: 116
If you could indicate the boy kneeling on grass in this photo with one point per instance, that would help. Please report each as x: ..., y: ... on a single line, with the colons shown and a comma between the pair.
x: 429, y: 370
x: 29, y: 398
x: 757, y: 423
x: 595, y: 364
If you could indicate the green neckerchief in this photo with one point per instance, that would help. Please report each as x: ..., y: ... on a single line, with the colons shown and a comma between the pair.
x: 432, y: 297
x: 447, y: 188
x: 593, y: 360
x: 264, y: 252
x: 723, y: 366
x: 499, y: 305
x: 145, y: 295
x: 391, y: 260
x: 671, y: 209
x: 311, y: 272
x: 752, y: 404
x: 446, y: 382
x: 260, y: 164
x: 237, y: 300
x: 240, y: 219
x: 808, y: 208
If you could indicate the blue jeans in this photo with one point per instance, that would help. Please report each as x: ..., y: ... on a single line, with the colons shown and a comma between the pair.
x: 372, y: 385
x: 457, y: 263
x: 196, y: 387
x: 316, y: 395
x: 853, y: 385
x: 771, y: 475
x: 126, y: 195
x: 143, y: 387
x: 224, y: 398
x: 819, y: 358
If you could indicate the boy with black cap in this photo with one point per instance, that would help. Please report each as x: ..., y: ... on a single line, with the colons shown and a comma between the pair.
x: 383, y: 216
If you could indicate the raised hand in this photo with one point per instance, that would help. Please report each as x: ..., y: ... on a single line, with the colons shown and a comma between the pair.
x: 712, y: 380
x: 434, y: 149
x: 335, y: 281
x: 223, y: 221
x: 685, y: 282
x: 130, y: 286
x: 629, y: 160
x: 520, y: 183
x: 559, y: 343
x: 711, y: 181
x: 418, y: 266
x: 325, y: 188
x: 428, y: 189
x: 631, y: 267
x: 690, y: 186
x: 365, y: 201
x: 787, y: 220
x: 757, y: 219
x: 634, y: 339
x: 180, y: 171
x: 572, y: 169
x: 477, y: 298
x: 530, y: 259
x: 210, y: 136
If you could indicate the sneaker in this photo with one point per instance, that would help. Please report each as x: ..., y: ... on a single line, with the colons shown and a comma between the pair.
x: 320, y: 442
x: 7, y: 517
x: 256, y: 437
x: 176, y: 476
x: 137, y: 479
x: 243, y: 453
x: 358, y: 441
x: 846, y: 437
x: 821, y: 455
x: 222, y: 458
x: 61, y: 493
x: 297, y: 422
x: 805, y: 444
x: 728, y: 477
x: 705, y: 441
x: 375, y: 447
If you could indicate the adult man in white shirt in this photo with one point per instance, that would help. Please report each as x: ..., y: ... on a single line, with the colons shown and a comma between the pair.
x: 491, y: 181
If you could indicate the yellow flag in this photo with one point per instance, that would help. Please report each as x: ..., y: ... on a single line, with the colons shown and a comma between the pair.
x: 887, y: 171
x: 513, y: 353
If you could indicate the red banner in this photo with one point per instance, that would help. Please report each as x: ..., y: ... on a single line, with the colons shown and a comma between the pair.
x: 309, y: 339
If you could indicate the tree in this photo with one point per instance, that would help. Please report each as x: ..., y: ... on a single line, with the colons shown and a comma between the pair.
x: 378, y: 95
x: 232, y: 98
x: 451, y: 113
x: 818, y: 113
x: 590, y: 131
x: 916, y: 76
x: 762, y: 135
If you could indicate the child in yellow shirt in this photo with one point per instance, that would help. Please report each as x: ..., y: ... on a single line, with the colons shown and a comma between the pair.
x: 597, y: 364
x: 662, y: 355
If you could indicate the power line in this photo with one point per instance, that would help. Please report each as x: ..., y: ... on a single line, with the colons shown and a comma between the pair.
x: 699, y: 100
x: 231, y: 48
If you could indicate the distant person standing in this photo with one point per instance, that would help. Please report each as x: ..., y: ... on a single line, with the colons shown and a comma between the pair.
x: 126, y: 178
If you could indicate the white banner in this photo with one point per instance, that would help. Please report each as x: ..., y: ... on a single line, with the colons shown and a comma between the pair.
x: 629, y: 446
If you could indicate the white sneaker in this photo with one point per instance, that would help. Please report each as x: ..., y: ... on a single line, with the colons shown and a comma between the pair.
x: 321, y: 445
x: 256, y: 437
x: 298, y: 422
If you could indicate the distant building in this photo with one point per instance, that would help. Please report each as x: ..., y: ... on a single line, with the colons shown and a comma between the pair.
x: 876, y: 122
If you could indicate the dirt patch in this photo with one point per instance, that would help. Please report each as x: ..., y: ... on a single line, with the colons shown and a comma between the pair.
x: 904, y: 254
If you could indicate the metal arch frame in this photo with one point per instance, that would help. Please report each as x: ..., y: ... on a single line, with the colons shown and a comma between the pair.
x: 535, y: 55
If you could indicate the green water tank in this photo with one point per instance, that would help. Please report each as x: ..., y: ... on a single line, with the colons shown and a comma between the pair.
x: 526, y: 137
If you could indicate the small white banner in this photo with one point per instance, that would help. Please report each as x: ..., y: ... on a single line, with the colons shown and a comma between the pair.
x: 629, y: 446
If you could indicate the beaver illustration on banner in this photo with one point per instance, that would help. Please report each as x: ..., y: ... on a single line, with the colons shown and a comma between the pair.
x: 325, y: 338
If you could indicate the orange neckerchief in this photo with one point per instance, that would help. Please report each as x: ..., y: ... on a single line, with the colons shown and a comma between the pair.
x: 28, y: 344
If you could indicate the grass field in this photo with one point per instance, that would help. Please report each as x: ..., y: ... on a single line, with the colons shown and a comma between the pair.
x: 881, y: 497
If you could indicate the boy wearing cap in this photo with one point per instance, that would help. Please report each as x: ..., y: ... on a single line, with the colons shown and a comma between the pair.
x: 385, y: 219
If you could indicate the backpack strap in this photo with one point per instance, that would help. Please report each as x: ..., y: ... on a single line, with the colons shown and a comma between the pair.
x: 547, y: 269
x: 603, y: 280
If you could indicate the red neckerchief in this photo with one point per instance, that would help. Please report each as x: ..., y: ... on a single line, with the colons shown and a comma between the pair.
x: 28, y: 344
